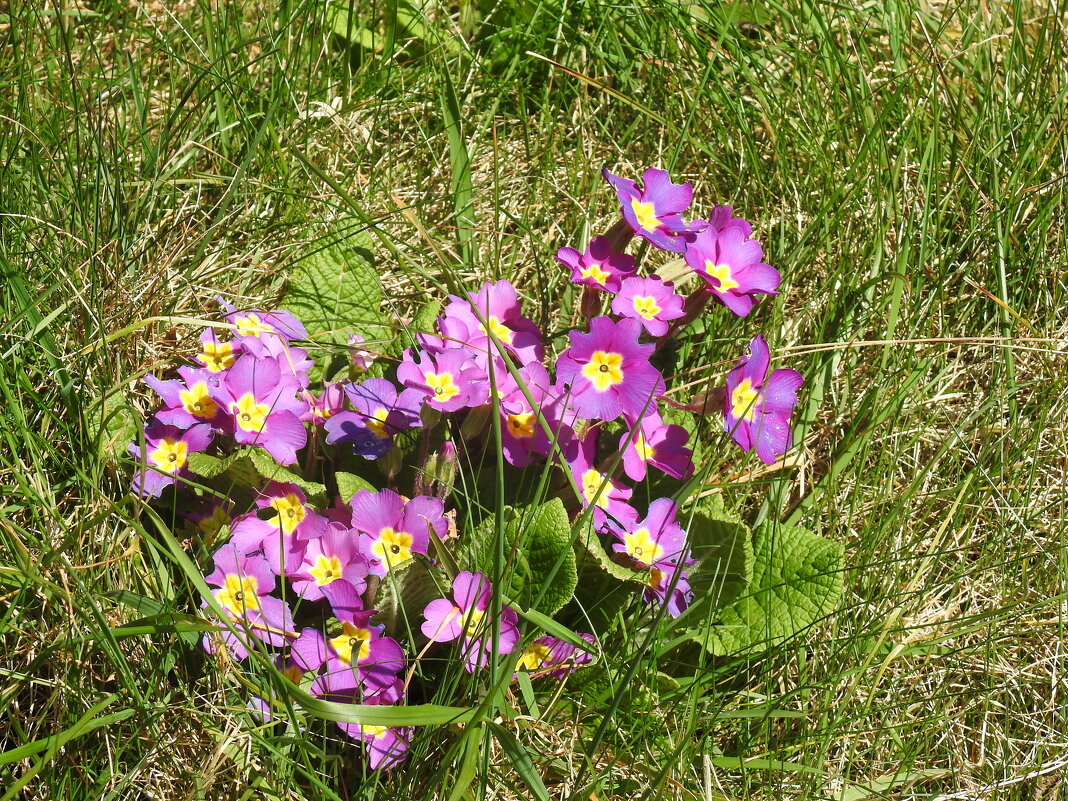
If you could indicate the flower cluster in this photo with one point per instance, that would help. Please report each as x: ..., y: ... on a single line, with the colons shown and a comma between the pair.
x: 298, y: 578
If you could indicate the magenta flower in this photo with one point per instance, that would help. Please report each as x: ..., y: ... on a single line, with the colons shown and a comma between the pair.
x: 522, y: 436
x: 599, y: 267
x: 655, y: 211
x: 758, y: 406
x: 325, y: 405
x: 378, y: 415
x: 357, y: 655
x: 217, y: 355
x: 386, y: 746
x: 730, y: 265
x: 393, y: 529
x: 650, y: 301
x: 498, y: 305
x: 164, y: 459
x: 448, y: 381
x: 265, y: 407
x: 284, y: 535
x: 253, y: 328
x: 609, y: 372
x: 721, y: 219
x: 607, y: 496
x: 667, y: 584
x: 188, y: 401
x: 553, y: 657
x: 335, y: 556
x: 656, y: 541
x: 294, y: 362
x: 465, y: 617
x: 244, y: 585
x: 656, y: 444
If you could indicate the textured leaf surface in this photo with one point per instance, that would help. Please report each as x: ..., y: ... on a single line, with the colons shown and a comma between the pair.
x: 335, y: 292
x: 797, y: 580
x: 349, y: 484
x: 546, y: 537
x: 591, y: 544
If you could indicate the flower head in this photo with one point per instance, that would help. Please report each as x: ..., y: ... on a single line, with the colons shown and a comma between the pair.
x: 651, y: 302
x: 494, y: 306
x: 378, y: 415
x: 730, y: 265
x: 758, y: 406
x: 449, y: 380
x: 282, y: 535
x: 333, y: 557
x: 654, y: 443
x: 466, y: 618
x: 393, y: 529
x: 217, y: 355
x: 607, y: 496
x: 656, y: 541
x: 188, y: 401
x: 655, y: 211
x: 165, y: 455
x: 609, y: 372
x: 553, y: 657
x: 599, y: 267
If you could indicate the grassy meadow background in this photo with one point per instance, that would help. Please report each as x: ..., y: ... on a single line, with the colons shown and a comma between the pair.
x: 904, y: 167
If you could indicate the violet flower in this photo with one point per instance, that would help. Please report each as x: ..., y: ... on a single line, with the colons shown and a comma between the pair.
x: 655, y: 211
x: 656, y: 541
x: 283, y: 536
x: 599, y: 267
x: 217, y: 355
x: 188, y: 401
x: 553, y: 657
x: 651, y: 302
x: 498, y: 305
x: 465, y: 617
x: 730, y: 265
x: 654, y: 443
x: 166, y: 453
x: 378, y: 415
x: 609, y: 372
x: 758, y: 406
x: 449, y: 381
x: 394, y: 529
x: 335, y: 556
x: 607, y: 496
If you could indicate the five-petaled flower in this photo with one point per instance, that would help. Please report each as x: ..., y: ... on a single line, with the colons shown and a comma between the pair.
x: 466, y: 618
x: 731, y: 267
x: 655, y: 210
x: 599, y: 267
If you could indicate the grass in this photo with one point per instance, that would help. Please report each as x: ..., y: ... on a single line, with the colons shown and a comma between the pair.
x: 904, y: 166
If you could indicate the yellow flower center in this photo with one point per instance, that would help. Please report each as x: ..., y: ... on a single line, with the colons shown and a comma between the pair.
x: 645, y: 214
x: 293, y: 673
x: 326, y: 570
x: 604, y: 370
x: 170, y: 455
x: 595, y: 272
x: 521, y: 426
x: 641, y: 547
x: 645, y: 452
x: 291, y: 512
x: 250, y: 325
x: 217, y: 356
x: 197, y: 402
x: 442, y: 385
x: 646, y: 306
x: 744, y: 400
x: 250, y: 416
x: 656, y: 579
x: 375, y: 731
x: 473, y: 623
x: 352, y: 639
x: 211, y: 525
x: 722, y: 273
x: 376, y: 423
x: 394, y: 548
x: 534, y: 655
x: 238, y: 594
x: 591, y: 483
x: 500, y: 330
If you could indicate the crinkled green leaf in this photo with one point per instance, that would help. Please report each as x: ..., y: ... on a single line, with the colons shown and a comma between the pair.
x: 797, y: 581
x: 335, y: 292
x: 204, y: 465
x: 546, y: 538
x: 113, y: 423
x: 591, y: 544
x: 349, y: 484
x: 272, y: 471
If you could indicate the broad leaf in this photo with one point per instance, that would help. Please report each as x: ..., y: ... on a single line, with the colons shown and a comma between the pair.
x: 797, y: 581
x: 349, y: 484
x: 546, y: 538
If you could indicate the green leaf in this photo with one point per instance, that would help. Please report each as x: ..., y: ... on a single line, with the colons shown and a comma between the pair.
x: 422, y: 323
x: 550, y: 557
x: 349, y: 484
x: 797, y: 580
x: 335, y: 291
x: 589, y: 541
x: 205, y: 466
x: 272, y: 471
x: 113, y: 424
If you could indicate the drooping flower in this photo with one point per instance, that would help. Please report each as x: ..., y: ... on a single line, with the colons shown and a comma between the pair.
x: 325, y: 405
x: 255, y: 327
x: 667, y: 584
x: 607, y: 496
x: 522, y: 436
x: 217, y: 355
x: 393, y: 529
x: 449, y: 380
x: 165, y: 455
x: 355, y: 655
x: 496, y: 306
x: 650, y: 301
x: 656, y: 541
x: 335, y: 556
x: 609, y: 372
x: 265, y: 408
x: 284, y: 535
x: 730, y: 265
x: 655, y: 211
x: 654, y: 443
x: 188, y: 401
x: 465, y: 617
x: 244, y: 584
x: 378, y: 415
x: 553, y: 657
x: 599, y: 267
x: 758, y: 406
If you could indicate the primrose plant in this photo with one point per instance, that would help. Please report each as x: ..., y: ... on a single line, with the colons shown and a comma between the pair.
x: 350, y: 557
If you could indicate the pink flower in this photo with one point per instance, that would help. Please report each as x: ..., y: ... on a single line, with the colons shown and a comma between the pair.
x: 758, y: 407
x: 599, y: 267
x: 607, y: 496
x: 730, y: 265
x: 166, y: 454
x: 496, y: 306
x: 333, y: 557
x: 553, y: 657
x: 656, y: 444
x: 656, y: 541
x: 284, y: 535
x: 650, y: 301
x: 655, y: 211
x: 465, y: 618
x: 449, y: 381
x: 393, y: 530
x: 188, y: 402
